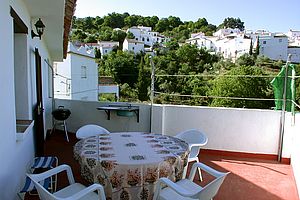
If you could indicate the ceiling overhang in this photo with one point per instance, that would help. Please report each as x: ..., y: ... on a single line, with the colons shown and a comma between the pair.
x: 57, y: 17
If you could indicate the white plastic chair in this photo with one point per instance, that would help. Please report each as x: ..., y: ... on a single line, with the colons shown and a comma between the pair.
x: 90, y: 130
x: 71, y: 192
x: 45, y: 162
x: 195, y: 140
x: 186, y: 189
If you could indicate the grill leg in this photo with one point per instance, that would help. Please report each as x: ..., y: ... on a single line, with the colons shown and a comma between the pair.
x: 53, y: 127
x: 65, y: 129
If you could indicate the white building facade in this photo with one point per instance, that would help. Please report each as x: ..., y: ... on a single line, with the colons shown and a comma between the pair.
x: 273, y: 46
x: 76, y: 77
x: 133, y: 45
x: 232, y: 43
x: 106, y: 47
x: 147, y: 36
x: 233, y: 46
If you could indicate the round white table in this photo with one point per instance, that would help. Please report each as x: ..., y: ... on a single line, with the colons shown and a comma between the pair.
x: 128, y: 164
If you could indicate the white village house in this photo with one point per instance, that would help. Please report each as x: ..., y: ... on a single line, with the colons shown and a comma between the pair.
x: 76, y: 77
x: 26, y: 82
x: 232, y: 43
x: 273, y: 45
x: 147, y: 36
x: 133, y: 45
x: 294, y: 45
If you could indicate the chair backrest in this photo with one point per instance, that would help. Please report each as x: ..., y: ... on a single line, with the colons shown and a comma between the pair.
x: 193, y: 136
x: 90, y: 130
x: 43, y: 193
x: 211, y: 189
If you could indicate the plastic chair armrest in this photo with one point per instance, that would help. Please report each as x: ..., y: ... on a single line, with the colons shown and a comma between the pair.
x: 85, y: 191
x: 181, y: 191
x: 206, y: 168
x: 54, y: 171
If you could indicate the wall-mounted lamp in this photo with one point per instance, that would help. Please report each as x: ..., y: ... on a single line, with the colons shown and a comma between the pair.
x: 39, y: 25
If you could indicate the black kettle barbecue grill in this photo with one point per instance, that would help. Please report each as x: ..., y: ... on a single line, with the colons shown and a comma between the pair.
x: 61, y: 114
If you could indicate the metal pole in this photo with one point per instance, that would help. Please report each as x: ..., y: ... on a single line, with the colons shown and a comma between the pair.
x: 152, y: 79
x: 152, y: 89
x: 282, y: 119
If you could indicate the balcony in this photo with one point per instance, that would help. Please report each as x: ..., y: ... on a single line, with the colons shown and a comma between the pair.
x: 242, y: 141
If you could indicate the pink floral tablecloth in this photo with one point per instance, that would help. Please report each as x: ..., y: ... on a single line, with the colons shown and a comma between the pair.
x: 129, y: 164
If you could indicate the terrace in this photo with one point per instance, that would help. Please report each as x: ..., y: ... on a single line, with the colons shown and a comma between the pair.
x: 242, y: 141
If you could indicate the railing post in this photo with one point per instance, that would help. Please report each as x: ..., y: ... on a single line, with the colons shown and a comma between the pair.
x: 282, y: 119
x: 152, y: 89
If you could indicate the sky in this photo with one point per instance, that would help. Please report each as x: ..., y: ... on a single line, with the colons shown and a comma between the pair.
x: 272, y: 15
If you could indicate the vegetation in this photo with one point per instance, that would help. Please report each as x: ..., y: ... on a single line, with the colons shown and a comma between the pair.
x: 211, y: 80
x: 112, y: 27
x: 231, y: 22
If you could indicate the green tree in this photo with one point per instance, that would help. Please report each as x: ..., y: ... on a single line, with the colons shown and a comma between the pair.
x: 231, y: 22
x: 114, y: 20
x: 119, y: 36
x: 130, y: 35
x: 246, y: 60
x: 236, y: 84
x: 131, y: 20
x: 90, y: 39
x: 97, y: 53
x: 162, y: 25
x: 257, y: 47
x: 122, y: 67
x: 251, y: 48
x: 143, y: 82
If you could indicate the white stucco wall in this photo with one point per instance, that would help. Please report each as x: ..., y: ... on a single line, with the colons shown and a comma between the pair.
x: 68, y: 82
x: 228, y: 129
x: 295, y: 54
x: 16, y: 156
x: 272, y: 48
x: 241, y: 130
x: 62, y: 79
x: 84, y: 88
x: 295, y: 157
x: 85, y: 112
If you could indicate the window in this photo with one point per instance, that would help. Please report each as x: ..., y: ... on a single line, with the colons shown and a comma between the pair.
x: 137, y: 39
x: 147, y: 39
x: 280, y: 40
x: 21, y: 68
x: 264, y: 42
x: 83, y: 72
x: 143, y: 39
x: 132, y: 48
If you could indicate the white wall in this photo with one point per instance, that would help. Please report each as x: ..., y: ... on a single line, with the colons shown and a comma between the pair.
x: 228, y: 129
x: 295, y: 54
x: 17, y: 155
x: 68, y: 82
x: 295, y: 157
x: 62, y: 79
x: 273, y: 49
x: 85, y: 112
x: 86, y: 88
x: 241, y: 130
x: 14, y: 155
x: 110, y: 89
